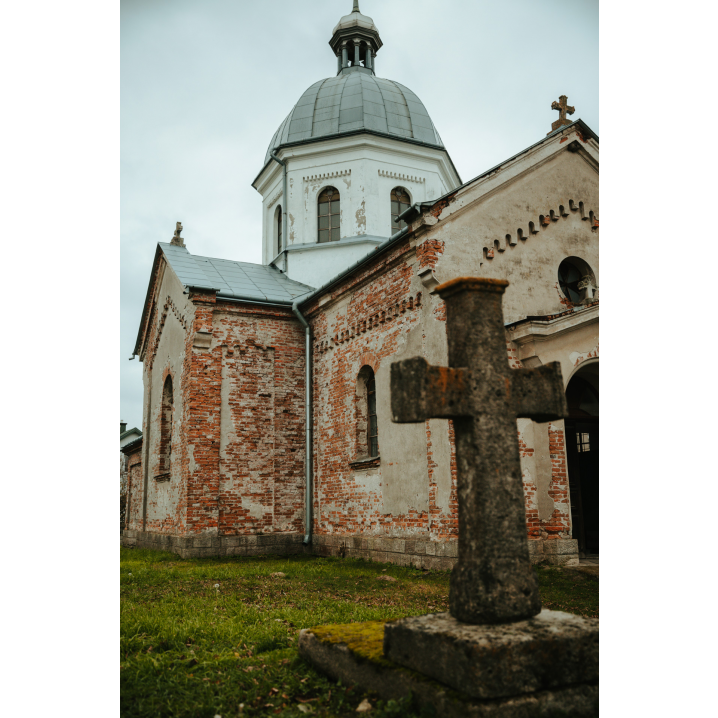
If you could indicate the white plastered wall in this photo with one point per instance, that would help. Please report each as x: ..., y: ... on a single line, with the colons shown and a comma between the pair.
x: 364, y: 169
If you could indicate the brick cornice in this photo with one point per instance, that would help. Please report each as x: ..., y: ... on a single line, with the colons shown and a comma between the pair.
x: 529, y: 227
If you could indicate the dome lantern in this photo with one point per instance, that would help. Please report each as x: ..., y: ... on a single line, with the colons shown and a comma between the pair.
x: 355, y: 42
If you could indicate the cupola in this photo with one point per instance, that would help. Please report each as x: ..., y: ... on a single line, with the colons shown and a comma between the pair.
x: 355, y: 42
x: 352, y: 154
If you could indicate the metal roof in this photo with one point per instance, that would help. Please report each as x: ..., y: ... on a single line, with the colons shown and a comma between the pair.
x: 234, y: 280
x: 125, y: 434
x: 356, y: 101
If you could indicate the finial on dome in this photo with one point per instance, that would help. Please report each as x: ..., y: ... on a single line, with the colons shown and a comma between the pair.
x: 355, y: 42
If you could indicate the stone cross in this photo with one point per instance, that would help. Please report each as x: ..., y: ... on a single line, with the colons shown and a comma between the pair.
x: 493, y: 580
x: 177, y: 238
x: 563, y: 107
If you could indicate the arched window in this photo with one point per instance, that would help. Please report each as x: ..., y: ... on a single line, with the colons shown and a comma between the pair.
x: 576, y: 280
x: 163, y: 470
x: 367, y: 426
x: 399, y: 202
x: 279, y: 230
x: 328, y: 215
x: 371, y: 409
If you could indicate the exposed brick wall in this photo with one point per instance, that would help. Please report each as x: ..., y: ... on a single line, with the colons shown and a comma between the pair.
x: 559, y: 525
x: 133, y: 488
x: 238, y: 447
x: 443, y: 525
x: 533, y: 525
x: 262, y: 453
x: 383, y: 306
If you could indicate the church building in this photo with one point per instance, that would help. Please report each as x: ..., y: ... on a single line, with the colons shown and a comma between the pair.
x: 266, y: 416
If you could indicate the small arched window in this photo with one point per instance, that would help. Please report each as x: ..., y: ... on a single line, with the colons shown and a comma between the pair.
x: 371, y: 410
x: 163, y: 470
x: 279, y: 230
x: 577, y: 280
x: 399, y: 203
x: 367, y: 425
x: 328, y: 215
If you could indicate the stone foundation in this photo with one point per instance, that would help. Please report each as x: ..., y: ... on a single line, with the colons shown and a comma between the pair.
x: 559, y: 552
x: 402, y: 552
x: 419, y: 553
x: 210, y: 544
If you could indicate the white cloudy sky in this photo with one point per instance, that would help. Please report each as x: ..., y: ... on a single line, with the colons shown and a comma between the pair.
x: 205, y: 84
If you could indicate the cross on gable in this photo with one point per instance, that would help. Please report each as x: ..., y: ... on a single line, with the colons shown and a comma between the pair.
x: 493, y: 581
x: 563, y: 108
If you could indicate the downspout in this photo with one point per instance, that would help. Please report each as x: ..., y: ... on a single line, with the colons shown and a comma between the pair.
x: 285, y: 198
x: 146, y: 460
x: 308, y: 487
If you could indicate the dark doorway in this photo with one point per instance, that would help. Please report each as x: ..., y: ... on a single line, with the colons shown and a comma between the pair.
x: 582, y: 456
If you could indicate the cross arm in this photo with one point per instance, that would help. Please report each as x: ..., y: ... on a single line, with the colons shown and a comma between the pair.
x: 538, y: 394
x: 420, y: 391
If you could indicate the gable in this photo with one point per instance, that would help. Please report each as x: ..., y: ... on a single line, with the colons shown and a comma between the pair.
x: 522, y: 229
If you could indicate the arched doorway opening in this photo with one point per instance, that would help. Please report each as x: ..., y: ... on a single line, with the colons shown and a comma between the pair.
x: 582, y: 456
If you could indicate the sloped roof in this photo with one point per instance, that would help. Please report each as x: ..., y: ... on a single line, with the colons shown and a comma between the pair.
x: 235, y: 280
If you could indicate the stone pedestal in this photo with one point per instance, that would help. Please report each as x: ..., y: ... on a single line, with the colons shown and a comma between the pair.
x: 353, y: 654
x: 551, y: 651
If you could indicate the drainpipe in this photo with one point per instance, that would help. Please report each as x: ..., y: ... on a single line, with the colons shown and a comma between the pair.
x: 308, y: 488
x: 285, y: 198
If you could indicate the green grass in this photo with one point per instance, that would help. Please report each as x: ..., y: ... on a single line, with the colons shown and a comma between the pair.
x: 190, y: 649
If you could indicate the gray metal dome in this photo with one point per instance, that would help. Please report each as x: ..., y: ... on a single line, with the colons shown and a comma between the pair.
x: 357, y: 101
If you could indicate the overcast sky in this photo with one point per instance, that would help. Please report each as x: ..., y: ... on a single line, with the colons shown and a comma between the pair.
x: 206, y: 83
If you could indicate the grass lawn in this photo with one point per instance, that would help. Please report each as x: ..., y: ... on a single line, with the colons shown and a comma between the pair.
x: 192, y: 648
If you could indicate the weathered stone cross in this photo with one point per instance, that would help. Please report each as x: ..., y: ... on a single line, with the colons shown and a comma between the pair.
x: 493, y: 581
x: 563, y: 107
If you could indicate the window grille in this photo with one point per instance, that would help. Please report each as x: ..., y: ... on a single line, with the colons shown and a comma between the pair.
x: 584, y: 443
x: 373, y: 426
x: 328, y: 215
x: 399, y: 203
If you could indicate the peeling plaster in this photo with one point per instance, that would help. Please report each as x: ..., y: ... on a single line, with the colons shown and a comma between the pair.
x: 361, y: 219
x: 577, y: 358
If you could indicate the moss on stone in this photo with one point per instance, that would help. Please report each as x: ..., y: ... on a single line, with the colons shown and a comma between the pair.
x: 366, y: 640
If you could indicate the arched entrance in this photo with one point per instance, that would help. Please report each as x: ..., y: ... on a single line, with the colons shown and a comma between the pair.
x: 582, y: 456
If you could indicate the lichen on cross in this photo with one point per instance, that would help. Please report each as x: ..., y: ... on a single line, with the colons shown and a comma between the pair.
x: 493, y: 581
x: 177, y: 238
x: 563, y: 108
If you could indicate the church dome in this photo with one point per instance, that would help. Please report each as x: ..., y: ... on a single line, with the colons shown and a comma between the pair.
x: 355, y: 101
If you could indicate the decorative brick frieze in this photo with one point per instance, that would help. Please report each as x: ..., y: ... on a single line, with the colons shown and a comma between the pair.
x: 402, y: 176
x: 367, y: 322
x: 326, y: 176
x: 544, y: 220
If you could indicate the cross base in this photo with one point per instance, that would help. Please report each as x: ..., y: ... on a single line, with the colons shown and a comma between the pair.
x: 552, y: 650
x: 354, y: 654
x: 557, y: 124
x: 494, y: 591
